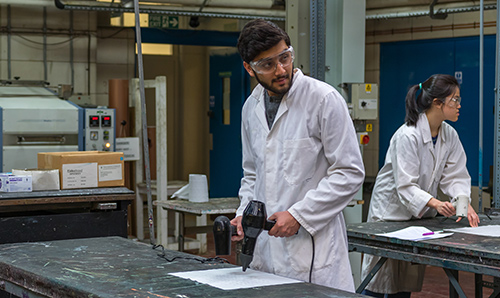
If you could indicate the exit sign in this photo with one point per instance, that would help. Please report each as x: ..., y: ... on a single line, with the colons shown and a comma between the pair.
x: 163, y: 21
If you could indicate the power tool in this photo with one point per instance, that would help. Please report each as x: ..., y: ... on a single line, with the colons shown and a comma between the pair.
x: 254, y: 220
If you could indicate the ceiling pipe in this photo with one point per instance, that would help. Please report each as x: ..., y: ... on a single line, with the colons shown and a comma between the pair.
x: 265, y: 4
x: 438, y: 15
x: 229, y: 13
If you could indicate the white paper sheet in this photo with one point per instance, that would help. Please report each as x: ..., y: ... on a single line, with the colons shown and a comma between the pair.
x: 235, y: 278
x: 415, y: 233
x: 490, y: 231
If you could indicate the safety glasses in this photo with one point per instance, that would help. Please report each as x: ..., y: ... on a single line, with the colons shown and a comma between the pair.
x: 455, y: 101
x: 269, y: 64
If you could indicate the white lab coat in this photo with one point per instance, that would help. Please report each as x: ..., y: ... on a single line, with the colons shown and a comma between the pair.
x: 410, y: 177
x: 310, y: 164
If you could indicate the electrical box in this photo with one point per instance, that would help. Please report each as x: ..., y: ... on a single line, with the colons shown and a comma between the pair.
x: 362, y: 99
x: 100, y: 129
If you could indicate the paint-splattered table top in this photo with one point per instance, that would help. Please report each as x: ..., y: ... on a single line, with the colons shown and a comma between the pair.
x: 460, y: 251
x: 98, y: 191
x: 66, y: 196
x: 119, y: 267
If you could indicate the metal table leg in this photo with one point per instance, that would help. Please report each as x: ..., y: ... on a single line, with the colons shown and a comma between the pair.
x: 370, y: 275
x: 496, y: 288
x: 478, y: 285
x: 181, y: 231
x: 454, y: 285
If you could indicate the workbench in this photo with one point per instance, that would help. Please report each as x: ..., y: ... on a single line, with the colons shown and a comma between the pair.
x: 214, y: 206
x: 118, y: 267
x: 458, y: 252
x: 64, y: 214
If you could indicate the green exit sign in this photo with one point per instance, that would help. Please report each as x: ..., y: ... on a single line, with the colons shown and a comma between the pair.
x: 163, y: 21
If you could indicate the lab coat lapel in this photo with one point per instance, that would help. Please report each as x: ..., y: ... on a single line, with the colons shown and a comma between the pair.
x: 260, y: 112
x: 283, y: 108
x: 284, y: 102
x: 260, y: 108
x: 425, y: 130
x: 441, y: 146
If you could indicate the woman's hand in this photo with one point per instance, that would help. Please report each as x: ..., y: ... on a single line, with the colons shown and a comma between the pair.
x: 443, y: 208
x: 471, y: 216
x: 446, y: 209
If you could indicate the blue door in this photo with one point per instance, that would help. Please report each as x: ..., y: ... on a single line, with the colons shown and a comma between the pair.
x: 403, y: 64
x: 229, y: 87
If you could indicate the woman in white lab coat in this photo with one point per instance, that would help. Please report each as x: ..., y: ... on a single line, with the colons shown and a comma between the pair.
x: 425, y: 153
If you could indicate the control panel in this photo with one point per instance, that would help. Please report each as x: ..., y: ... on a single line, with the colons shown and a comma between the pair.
x: 362, y: 100
x: 100, y: 129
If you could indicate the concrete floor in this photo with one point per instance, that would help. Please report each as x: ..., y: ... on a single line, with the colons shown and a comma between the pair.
x: 436, y: 284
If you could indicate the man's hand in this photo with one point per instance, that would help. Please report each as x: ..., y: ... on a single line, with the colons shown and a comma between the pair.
x: 237, y: 222
x: 471, y: 216
x: 286, y: 225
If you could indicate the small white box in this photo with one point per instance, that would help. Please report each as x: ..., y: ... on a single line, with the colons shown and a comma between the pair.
x: 2, y: 176
x: 15, y: 183
x: 42, y: 179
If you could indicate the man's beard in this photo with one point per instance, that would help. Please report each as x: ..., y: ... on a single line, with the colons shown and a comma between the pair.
x: 274, y: 90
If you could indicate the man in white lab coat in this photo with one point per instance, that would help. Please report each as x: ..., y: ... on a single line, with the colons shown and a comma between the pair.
x: 301, y: 158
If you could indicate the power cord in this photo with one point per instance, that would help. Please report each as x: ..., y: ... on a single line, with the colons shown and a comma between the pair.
x: 216, y: 260
x: 312, y: 260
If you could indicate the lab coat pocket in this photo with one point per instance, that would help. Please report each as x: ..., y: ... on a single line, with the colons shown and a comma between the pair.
x: 299, y: 249
x: 299, y: 160
x: 439, y: 171
x: 437, y: 175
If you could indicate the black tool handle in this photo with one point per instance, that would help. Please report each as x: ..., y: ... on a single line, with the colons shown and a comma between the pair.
x: 234, y: 230
x: 223, y: 230
x: 269, y: 224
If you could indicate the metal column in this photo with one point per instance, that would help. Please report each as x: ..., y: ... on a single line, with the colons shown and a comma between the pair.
x: 317, y: 52
x: 496, y: 168
x: 481, y: 59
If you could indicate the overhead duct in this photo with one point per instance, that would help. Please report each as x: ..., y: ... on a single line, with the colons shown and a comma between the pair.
x: 28, y: 2
x: 234, y: 12
x: 419, y: 11
x: 262, y: 4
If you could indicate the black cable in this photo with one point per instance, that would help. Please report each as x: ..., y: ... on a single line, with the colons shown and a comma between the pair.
x: 312, y: 260
x: 41, y: 43
x: 112, y: 35
x: 201, y: 260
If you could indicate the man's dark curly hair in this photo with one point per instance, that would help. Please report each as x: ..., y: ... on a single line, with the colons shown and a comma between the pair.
x: 258, y: 36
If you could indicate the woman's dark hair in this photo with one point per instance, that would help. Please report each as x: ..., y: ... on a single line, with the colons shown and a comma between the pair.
x: 437, y: 86
x: 258, y: 36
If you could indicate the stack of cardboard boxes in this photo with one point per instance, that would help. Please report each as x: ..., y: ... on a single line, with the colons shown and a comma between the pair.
x: 67, y: 170
x: 85, y: 169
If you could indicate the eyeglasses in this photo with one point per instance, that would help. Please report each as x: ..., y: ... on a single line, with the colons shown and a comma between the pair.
x: 269, y: 64
x: 455, y: 101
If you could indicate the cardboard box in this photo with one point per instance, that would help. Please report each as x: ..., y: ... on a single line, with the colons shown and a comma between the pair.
x: 85, y: 169
x: 41, y: 179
